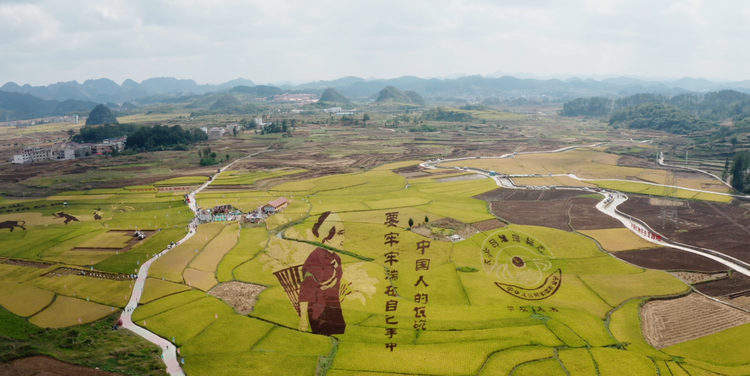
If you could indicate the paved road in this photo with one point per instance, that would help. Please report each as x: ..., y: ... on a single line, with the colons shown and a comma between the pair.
x: 609, y: 207
x: 169, y: 353
x: 619, y: 198
x: 660, y: 160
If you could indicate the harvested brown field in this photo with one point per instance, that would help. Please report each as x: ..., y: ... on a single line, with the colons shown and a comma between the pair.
x: 506, y: 194
x: 548, y: 213
x: 670, y: 259
x: 46, y: 366
x: 489, y: 225
x: 720, y: 227
x: 59, y: 272
x: 132, y: 242
x: 736, y: 283
x: 560, y: 209
x: 669, y: 322
x: 242, y: 296
x: 693, y: 278
x: 29, y: 264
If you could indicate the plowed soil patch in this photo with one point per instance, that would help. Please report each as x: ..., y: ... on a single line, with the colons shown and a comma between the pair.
x: 504, y: 194
x: 578, y: 212
x: 134, y: 240
x: 670, y: 259
x: 489, y: 225
x: 735, y: 283
x: 242, y: 296
x: 45, y: 366
x: 548, y: 214
x: 28, y: 264
x: 669, y: 322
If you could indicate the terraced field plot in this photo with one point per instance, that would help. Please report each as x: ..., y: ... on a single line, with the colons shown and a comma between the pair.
x: 588, y: 164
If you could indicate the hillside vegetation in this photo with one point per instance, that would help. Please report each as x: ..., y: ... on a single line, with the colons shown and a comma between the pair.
x: 259, y: 90
x: 16, y: 106
x: 332, y: 95
x: 447, y: 114
x: 656, y: 111
x: 101, y: 115
x: 391, y: 94
x: 661, y: 117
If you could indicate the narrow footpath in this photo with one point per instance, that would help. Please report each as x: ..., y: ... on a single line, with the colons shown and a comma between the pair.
x: 169, y: 351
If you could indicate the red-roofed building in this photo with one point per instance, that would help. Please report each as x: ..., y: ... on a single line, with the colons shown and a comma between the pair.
x: 276, y: 205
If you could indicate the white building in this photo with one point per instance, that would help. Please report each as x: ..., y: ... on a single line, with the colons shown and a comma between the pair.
x: 38, y: 154
x: 204, y: 129
x: 333, y: 109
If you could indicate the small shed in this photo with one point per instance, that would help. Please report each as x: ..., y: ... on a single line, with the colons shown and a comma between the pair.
x: 276, y: 205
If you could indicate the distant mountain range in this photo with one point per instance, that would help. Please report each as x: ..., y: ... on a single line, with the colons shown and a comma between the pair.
x: 104, y: 90
x: 172, y: 90
x: 17, y: 106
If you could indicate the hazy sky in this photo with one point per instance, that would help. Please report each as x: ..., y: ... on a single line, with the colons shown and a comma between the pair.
x: 212, y: 41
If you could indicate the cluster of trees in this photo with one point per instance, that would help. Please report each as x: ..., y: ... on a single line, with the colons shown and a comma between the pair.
x: 164, y: 138
x: 660, y: 117
x: 208, y: 157
x: 595, y: 106
x: 740, y: 177
x: 92, y: 134
x: 700, y: 111
x: 248, y: 124
x: 447, y: 114
x: 423, y: 128
x: 284, y: 127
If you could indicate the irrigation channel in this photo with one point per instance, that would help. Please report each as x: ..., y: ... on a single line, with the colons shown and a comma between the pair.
x: 169, y: 350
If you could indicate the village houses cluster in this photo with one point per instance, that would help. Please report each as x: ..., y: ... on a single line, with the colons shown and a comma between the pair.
x: 216, y: 133
x: 68, y: 150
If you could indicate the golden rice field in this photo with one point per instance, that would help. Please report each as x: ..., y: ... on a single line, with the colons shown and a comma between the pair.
x: 67, y: 311
x: 580, y: 315
x: 618, y: 239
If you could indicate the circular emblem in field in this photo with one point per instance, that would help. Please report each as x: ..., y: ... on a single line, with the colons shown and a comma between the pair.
x: 521, y: 263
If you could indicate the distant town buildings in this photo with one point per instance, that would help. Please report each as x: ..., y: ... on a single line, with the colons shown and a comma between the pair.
x: 333, y: 110
x: 49, y: 120
x: 298, y: 99
x: 67, y: 151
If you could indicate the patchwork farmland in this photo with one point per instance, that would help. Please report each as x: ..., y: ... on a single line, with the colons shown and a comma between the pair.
x: 425, y: 275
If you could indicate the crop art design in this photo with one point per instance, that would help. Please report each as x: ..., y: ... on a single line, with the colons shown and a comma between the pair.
x: 521, y: 263
x: 316, y: 280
